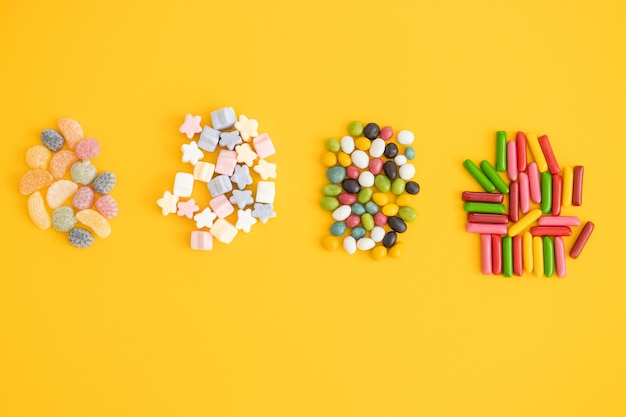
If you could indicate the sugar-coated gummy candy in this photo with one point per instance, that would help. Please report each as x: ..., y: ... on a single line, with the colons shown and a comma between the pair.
x: 63, y: 218
x: 71, y: 131
x: 84, y: 198
x: 95, y: 221
x: 37, y: 157
x: 34, y: 180
x: 37, y: 211
x: 104, y: 183
x: 59, y: 192
x: 61, y: 162
x: 80, y: 238
x: 107, y: 206
x: 52, y: 139
x: 87, y: 148
x: 83, y: 172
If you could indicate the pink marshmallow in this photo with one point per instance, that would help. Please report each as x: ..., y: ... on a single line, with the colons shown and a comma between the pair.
x: 221, y: 206
x: 263, y: 146
x: 226, y: 162
x: 201, y: 240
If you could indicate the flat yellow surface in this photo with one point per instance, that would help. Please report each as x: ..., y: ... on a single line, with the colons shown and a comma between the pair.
x: 274, y: 325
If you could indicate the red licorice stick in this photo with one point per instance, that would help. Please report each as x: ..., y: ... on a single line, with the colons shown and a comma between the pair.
x: 551, y: 231
x: 482, y: 197
x: 496, y: 254
x: 581, y: 240
x: 577, y: 192
x: 518, y: 260
x: 514, y: 201
x: 485, y: 254
x: 520, y: 140
x: 487, y: 218
x: 553, y: 166
x: 557, y: 194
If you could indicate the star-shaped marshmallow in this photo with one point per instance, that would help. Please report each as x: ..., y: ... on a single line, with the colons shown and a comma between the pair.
x: 263, y: 212
x: 168, y: 203
x: 205, y: 218
x: 247, y: 127
x: 230, y: 139
x: 191, y: 125
x: 265, y: 169
x: 187, y: 208
x: 242, y: 198
x: 241, y: 176
x: 191, y: 152
x: 245, y: 220
x: 245, y: 154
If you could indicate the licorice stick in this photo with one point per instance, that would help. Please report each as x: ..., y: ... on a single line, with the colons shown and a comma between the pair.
x: 546, y: 148
x: 581, y: 240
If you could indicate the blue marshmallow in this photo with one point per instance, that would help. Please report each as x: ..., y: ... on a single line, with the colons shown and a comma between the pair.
x: 219, y: 185
x: 223, y: 118
x: 209, y: 139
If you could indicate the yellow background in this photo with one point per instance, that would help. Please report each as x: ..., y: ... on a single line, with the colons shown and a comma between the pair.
x: 273, y: 325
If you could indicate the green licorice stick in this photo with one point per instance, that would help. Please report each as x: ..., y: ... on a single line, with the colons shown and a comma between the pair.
x: 546, y: 192
x: 507, y: 256
x: 494, y: 177
x: 501, y: 151
x: 479, y: 176
x: 474, y: 207
x: 548, y: 256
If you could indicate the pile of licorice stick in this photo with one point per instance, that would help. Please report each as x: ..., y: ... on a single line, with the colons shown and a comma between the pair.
x: 528, y: 236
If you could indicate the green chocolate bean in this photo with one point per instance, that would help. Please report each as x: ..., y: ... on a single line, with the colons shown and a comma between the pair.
x: 382, y: 182
x: 507, y: 256
x: 367, y: 221
x: 500, y: 151
x: 473, y: 207
x: 479, y: 176
x: 548, y: 256
x: 364, y: 195
x: 355, y: 128
x: 408, y: 214
x: 333, y: 145
x: 332, y: 190
x: 546, y: 192
x: 494, y: 177
x: 397, y: 186
x: 329, y: 203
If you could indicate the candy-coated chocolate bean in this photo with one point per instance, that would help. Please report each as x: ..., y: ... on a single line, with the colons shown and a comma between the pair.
x: 378, y: 148
x: 346, y: 198
x: 524, y: 222
x: 494, y: 177
x: 358, y: 209
x: 351, y: 186
x: 527, y: 250
x: 486, y: 228
x: 535, y: 149
x: 546, y: 192
x: 338, y: 228
x: 534, y: 182
x: 360, y: 159
x: 353, y: 221
x: 371, y: 207
x: 330, y: 243
x: 358, y: 232
x: 380, y: 219
x: 341, y: 213
x: 371, y: 131
x: 518, y: 259
x: 379, y: 252
x: 333, y: 145
x: 524, y: 192
x: 383, y: 184
x: 400, y: 160
x: 496, y: 254
x: 332, y: 190
x: 581, y: 240
x: 501, y: 151
x: 355, y: 128
x: 406, y: 171
x: 558, y: 221
x: 344, y: 159
x: 367, y: 220
x: 408, y: 214
x: 376, y: 166
x: 391, y: 150
x: 380, y: 198
x: 568, y: 186
x: 329, y: 203
x: 507, y: 256
x: 353, y: 172
x: 557, y: 194
x: 391, y: 170
x: 412, y: 187
x: 577, y: 191
x: 366, y: 179
x: 396, y: 251
x: 538, y: 255
x: 548, y: 153
x: 347, y: 144
x: 514, y: 201
x: 377, y: 234
x: 548, y: 256
x: 405, y: 137
x: 349, y: 244
x: 480, y: 197
x: 386, y: 133
x: 397, y: 186
x: 559, y: 256
x: 511, y: 160
x: 362, y: 144
x: 336, y: 174
x: 390, y: 209
x: 409, y: 152
x: 404, y: 200
x: 364, y: 195
x: 485, y: 254
x: 520, y: 142
x: 484, y: 208
x: 479, y: 176
x: 397, y: 224
x: 551, y: 231
x: 390, y: 239
x: 487, y: 218
x: 329, y: 159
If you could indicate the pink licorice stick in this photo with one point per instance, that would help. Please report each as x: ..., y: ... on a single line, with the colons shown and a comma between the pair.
x: 485, y: 254
x: 534, y: 182
x: 559, y: 221
x: 489, y: 228
x: 524, y: 193
x: 511, y: 160
x: 559, y: 256
x: 520, y: 140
